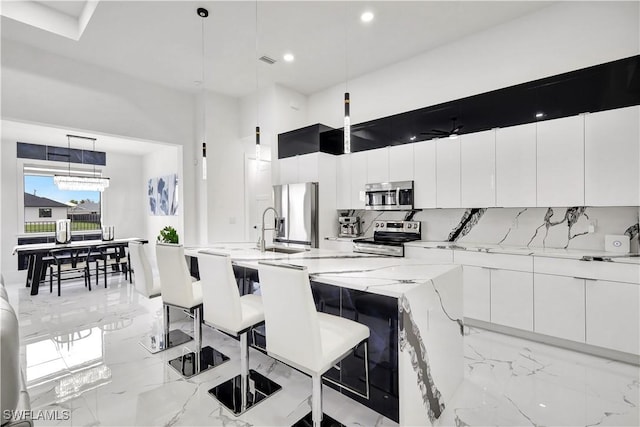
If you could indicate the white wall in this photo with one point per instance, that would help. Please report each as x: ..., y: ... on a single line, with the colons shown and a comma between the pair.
x: 166, y: 160
x: 560, y: 38
x: 41, y: 87
x: 121, y: 205
x: 121, y: 202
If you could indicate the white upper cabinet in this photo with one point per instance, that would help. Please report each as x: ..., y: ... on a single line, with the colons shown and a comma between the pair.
x: 448, y: 173
x: 378, y: 165
x: 308, y: 167
x: 516, y: 166
x: 612, y: 156
x: 560, y: 174
x: 424, y: 166
x: 478, y: 166
x: 288, y: 170
x: 401, y: 167
x: 343, y: 182
x: 358, y: 179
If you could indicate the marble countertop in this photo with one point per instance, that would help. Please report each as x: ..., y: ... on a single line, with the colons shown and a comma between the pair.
x: 388, y: 276
x: 578, y: 254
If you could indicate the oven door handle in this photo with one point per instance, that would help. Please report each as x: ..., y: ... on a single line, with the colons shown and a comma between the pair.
x: 397, y: 196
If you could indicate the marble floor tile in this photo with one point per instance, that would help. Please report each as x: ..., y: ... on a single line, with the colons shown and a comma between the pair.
x: 82, y: 355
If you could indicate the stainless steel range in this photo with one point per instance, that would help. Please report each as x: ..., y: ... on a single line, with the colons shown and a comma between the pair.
x: 389, y: 238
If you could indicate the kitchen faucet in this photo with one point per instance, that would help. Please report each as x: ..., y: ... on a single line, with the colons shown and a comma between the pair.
x: 261, y: 243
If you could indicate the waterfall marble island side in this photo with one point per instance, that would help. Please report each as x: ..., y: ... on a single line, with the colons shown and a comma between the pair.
x: 414, y: 313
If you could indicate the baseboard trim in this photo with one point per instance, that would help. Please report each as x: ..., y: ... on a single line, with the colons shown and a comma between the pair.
x: 593, y: 350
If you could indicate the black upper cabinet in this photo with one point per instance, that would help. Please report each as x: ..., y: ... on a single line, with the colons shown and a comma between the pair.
x: 304, y: 141
x: 602, y: 87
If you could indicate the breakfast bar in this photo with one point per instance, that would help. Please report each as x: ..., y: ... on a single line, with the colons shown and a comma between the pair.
x: 414, y: 313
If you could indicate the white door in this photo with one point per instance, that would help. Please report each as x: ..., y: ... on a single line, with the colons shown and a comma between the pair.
x: 512, y: 299
x: 613, y: 315
x: 378, y: 165
x: 448, y: 173
x: 516, y: 166
x: 478, y: 167
x: 477, y: 292
x: 560, y: 174
x: 343, y: 182
x: 401, y: 162
x: 612, y: 156
x: 288, y: 170
x: 559, y: 304
x: 358, y: 179
x: 258, y: 196
x: 424, y: 181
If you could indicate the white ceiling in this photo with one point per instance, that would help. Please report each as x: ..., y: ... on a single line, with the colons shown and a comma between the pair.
x: 160, y: 41
x: 56, y: 136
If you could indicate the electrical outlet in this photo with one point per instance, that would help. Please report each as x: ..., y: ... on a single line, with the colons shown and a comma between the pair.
x: 592, y: 226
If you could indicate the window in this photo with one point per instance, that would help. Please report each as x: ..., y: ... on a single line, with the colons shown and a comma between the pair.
x: 44, y: 204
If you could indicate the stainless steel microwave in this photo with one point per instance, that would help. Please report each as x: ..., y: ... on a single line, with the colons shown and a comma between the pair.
x: 389, y: 196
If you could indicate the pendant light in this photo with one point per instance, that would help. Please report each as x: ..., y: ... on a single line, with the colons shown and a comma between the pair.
x: 347, y: 100
x: 257, y: 95
x: 76, y: 182
x: 203, y: 13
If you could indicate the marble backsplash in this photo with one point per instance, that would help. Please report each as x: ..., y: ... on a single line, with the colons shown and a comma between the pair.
x: 531, y: 227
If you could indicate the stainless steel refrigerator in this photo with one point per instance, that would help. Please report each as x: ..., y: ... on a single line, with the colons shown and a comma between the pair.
x: 297, y: 206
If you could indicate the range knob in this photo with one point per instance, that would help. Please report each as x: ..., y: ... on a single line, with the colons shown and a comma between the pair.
x: 377, y: 225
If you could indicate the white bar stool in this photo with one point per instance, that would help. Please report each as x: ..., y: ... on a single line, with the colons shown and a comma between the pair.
x: 301, y: 337
x: 146, y: 283
x: 227, y: 311
x: 178, y: 290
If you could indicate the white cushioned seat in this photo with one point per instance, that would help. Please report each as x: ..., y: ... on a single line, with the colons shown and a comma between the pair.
x: 336, y: 335
x: 146, y: 282
x: 297, y: 334
x: 176, y: 283
x: 226, y: 310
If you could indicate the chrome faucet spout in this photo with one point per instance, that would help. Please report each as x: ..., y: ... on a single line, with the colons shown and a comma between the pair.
x: 261, y: 243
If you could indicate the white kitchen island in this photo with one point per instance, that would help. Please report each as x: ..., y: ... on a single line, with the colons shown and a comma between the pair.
x: 416, y: 304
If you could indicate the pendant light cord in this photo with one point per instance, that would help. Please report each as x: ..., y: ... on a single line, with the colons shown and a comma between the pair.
x: 256, y: 62
x: 346, y: 46
x: 203, y: 89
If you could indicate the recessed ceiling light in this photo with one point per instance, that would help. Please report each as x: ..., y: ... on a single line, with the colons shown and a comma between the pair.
x: 288, y: 57
x: 367, y: 16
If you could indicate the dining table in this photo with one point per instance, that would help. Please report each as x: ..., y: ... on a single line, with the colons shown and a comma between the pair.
x: 37, y: 252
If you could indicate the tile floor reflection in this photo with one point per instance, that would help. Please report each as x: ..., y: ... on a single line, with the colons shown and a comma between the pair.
x: 81, y: 353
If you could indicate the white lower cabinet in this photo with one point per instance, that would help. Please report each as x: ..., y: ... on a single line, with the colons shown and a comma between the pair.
x: 512, y: 299
x: 477, y: 292
x: 613, y: 315
x: 559, y: 306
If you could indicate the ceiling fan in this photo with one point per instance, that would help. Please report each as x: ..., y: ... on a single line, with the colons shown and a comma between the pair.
x: 439, y: 133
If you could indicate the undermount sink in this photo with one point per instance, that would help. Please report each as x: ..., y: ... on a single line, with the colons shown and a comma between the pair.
x: 283, y: 250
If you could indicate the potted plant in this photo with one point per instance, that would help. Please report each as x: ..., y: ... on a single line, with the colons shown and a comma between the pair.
x: 168, y: 235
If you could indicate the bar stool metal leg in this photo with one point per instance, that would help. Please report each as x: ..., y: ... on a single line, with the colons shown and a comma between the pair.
x: 246, y: 390
x: 166, y: 338
x: 200, y: 360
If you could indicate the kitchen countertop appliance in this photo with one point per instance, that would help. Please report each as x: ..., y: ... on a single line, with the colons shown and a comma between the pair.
x: 297, y: 205
x: 389, y: 196
x: 389, y: 238
x: 349, y: 226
